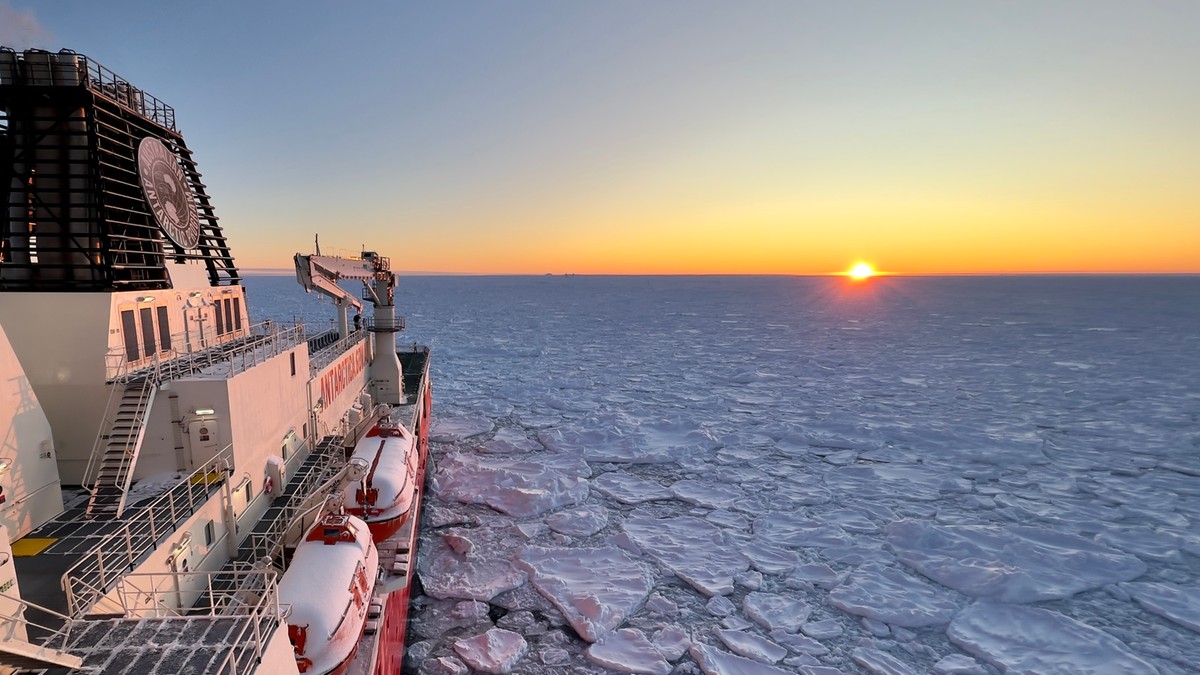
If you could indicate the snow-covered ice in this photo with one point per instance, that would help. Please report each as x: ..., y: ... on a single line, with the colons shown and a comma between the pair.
x: 496, y: 651
x: 525, y: 486
x: 965, y: 450
x: 715, y: 661
x: 628, y: 651
x: 629, y: 489
x: 1037, y: 641
x: 776, y: 612
x: 673, y: 543
x: 1010, y: 563
x: 893, y: 596
x: 1180, y: 604
x: 595, y: 589
x: 751, y: 646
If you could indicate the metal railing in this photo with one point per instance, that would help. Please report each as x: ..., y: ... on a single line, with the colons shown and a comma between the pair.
x: 110, y: 85
x: 91, y: 577
x: 393, y: 325
x: 65, y: 68
x: 268, y: 543
x: 43, y: 632
x: 115, y: 394
x: 327, y: 355
x: 248, y: 597
x: 240, y: 351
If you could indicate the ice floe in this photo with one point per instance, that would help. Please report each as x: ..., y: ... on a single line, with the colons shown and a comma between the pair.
x: 629, y: 489
x: 881, y: 663
x: 751, y: 646
x: 889, y: 595
x: 797, y: 530
x: 776, y: 612
x: 579, y: 522
x: 1029, y: 640
x: 1010, y: 564
x: 595, y: 589
x: 673, y: 543
x: 714, y: 661
x: 628, y: 651
x: 446, y: 573
x: 1180, y: 604
x: 703, y: 493
x: 496, y: 651
x: 672, y: 642
x: 521, y: 487
x: 450, y: 428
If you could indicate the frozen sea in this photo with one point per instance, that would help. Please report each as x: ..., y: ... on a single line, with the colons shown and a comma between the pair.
x: 744, y: 475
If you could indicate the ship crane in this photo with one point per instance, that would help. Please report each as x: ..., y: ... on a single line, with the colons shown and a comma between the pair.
x: 321, y: 273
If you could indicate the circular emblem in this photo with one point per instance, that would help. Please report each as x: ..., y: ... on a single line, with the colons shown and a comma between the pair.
x: 167, y: 193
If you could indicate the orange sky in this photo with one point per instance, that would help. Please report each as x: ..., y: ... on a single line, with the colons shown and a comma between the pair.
x: 927, y: 137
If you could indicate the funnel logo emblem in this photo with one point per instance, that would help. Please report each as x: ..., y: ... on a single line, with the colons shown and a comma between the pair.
x: 167, y: 193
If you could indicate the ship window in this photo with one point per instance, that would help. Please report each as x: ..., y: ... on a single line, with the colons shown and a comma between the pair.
x: 129, y: 329
x: 304, y: 430
x: 237, y: 313
x: 293, y: 355
x: 220, y: 318
x: 249, y: 491
x: 147, y: 317
x: 209, y: 533
x: 164, y: 328
x: 228, y: 316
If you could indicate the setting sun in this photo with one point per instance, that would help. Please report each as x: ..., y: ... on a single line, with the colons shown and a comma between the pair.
x: 861, y: 271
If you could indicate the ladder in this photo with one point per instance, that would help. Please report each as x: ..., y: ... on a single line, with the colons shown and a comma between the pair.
x: 116, y: 450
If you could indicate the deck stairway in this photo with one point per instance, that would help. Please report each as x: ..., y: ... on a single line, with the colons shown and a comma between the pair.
x: 117, y: 449
x: 21, y: 655
x: 17, y: 652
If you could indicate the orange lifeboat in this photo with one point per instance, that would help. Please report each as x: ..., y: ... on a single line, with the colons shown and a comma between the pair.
x: 327, y: 589
x: 384, y: 497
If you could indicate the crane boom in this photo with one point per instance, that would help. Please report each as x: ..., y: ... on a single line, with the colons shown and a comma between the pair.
x: 321, y: 273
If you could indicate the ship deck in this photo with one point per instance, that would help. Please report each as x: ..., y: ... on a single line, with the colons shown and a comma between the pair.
x: 59, y: 544
x: 161, y: 646
x: 205, y: 641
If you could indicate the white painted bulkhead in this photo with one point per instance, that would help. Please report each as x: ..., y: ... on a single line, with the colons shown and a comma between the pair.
x: 30, y: 493
x: 96, y: 335
x: 63, y: 359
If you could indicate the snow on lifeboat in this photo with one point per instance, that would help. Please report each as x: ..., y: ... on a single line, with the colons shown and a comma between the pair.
x: 328, y: 586
x: 384, y: 497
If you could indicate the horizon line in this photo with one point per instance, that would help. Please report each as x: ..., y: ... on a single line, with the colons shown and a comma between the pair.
x: 280, y: 271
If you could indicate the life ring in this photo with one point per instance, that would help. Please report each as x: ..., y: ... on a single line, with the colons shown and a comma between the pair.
x: 268, y: 485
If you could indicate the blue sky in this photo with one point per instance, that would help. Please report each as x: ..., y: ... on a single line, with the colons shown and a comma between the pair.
x: 534, y: 136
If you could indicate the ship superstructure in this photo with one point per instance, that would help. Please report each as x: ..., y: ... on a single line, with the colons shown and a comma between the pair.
x: 129, y: 360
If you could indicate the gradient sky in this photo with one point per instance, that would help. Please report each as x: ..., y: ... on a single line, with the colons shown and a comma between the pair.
x: 791, y: 137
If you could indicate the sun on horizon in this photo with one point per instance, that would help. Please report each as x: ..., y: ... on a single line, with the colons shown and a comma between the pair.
x: 860, y: 271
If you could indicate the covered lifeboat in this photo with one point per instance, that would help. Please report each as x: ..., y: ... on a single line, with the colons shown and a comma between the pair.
x: 327, y: 589
x: 384, y: 497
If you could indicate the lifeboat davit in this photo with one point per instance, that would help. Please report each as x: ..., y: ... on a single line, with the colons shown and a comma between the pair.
x: 328, y: 587
x: 384, y: 497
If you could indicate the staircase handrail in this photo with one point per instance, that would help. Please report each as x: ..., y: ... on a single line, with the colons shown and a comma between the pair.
x: 105, y: 425
x: 18, y: 619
